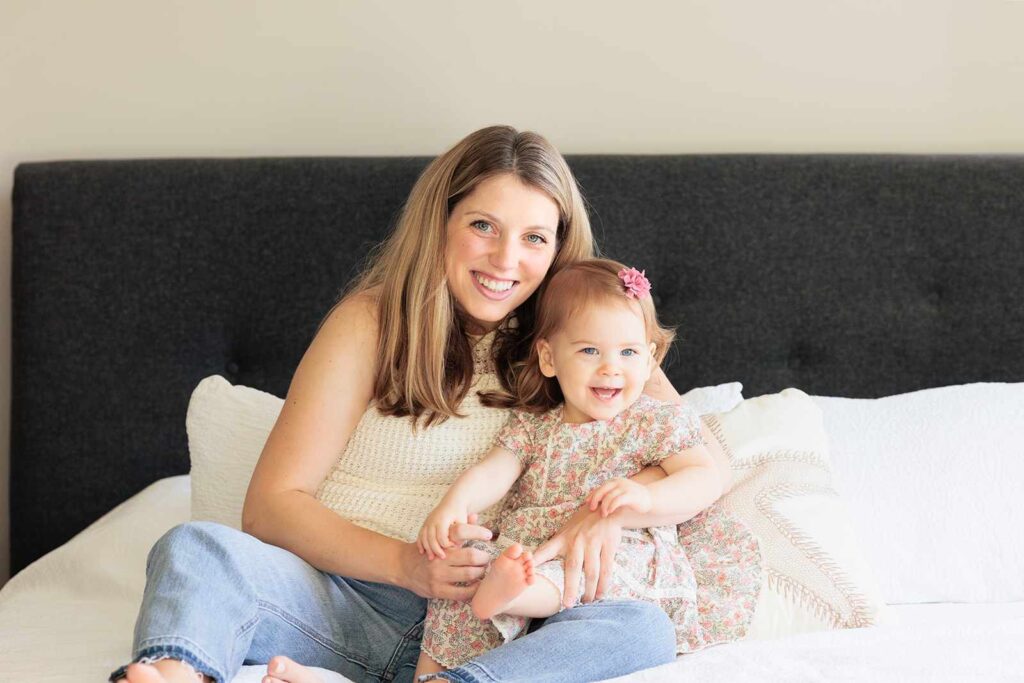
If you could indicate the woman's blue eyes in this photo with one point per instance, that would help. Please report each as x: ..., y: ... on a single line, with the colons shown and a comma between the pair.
x: 487, y: 228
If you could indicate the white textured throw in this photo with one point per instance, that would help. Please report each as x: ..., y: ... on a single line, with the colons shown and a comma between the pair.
x: 816, y: 576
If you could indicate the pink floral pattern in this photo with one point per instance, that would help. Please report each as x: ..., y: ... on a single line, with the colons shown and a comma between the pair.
x: 705, y: 574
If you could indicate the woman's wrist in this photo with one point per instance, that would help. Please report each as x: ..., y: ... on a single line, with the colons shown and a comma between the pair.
x: 398, y: 567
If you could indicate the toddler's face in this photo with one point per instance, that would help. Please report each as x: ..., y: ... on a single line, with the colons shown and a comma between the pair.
x: 602, y: 360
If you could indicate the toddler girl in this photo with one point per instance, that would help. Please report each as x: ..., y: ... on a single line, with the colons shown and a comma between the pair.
x: 584, y: 427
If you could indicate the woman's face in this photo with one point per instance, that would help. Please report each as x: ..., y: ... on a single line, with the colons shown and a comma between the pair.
x: 501, y: 242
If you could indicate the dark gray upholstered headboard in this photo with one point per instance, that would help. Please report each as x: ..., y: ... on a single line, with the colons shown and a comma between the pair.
x: 843, y: 275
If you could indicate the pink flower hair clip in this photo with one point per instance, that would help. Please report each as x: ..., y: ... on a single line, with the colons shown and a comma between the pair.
x: 636, y: 283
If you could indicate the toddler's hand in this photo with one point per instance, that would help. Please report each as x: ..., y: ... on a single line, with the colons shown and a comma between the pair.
x: 620, y: 493
x: 434, y: 537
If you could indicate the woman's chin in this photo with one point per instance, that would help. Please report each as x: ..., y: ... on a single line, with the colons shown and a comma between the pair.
x: 483, y: 319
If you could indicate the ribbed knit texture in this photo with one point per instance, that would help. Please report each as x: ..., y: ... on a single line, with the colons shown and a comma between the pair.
x: 391, y: 476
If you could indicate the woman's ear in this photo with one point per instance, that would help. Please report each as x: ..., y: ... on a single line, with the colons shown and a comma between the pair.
x: 546, y: 358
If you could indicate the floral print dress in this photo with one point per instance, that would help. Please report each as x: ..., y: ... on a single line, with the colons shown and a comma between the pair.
x: 705, y: 574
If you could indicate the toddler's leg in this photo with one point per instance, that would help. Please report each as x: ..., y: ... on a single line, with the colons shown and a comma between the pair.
x: 509, y: 588
x: 424, y: 666
x: 453, y: 636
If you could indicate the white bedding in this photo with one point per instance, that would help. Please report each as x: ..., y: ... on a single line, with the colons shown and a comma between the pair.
x: 69, y: 617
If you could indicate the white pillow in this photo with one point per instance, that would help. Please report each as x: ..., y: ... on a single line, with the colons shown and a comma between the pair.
x: 227, y: 426
x: 934, y: 481
x: 717, y: 399
x: 815, y: 575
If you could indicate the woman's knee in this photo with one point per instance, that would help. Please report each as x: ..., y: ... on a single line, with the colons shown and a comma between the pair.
x: 194, y: 542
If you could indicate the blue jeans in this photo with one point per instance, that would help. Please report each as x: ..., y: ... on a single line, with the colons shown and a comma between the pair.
x: 218, y: 598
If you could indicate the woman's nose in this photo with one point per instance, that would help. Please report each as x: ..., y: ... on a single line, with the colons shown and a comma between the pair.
x: 505, y: 254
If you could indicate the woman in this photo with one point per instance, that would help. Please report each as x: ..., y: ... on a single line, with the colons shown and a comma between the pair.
x: 406, y: 380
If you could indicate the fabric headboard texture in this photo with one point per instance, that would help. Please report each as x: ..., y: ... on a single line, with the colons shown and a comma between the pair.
x: 856, y: 276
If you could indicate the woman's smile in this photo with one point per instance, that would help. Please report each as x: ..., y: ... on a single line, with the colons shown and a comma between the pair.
x: 494, y: 288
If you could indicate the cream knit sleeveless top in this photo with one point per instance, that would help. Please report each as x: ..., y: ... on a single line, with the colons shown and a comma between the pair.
x: 389, y: 476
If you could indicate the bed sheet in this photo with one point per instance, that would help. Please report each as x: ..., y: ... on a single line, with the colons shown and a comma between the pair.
x: 69, y: 616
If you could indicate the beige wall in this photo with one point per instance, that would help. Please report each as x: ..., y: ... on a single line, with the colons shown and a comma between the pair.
x: 130, y: 78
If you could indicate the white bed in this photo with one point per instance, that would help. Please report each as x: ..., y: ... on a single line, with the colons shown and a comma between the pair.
x: 72, y: 613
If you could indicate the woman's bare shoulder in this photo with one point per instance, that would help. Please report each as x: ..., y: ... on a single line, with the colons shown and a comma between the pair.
x: 343, y: 351
x: 362, y: 304
x: 354, y: 317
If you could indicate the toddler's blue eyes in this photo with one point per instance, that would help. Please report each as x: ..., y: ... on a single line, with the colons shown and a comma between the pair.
x: 591, y: 351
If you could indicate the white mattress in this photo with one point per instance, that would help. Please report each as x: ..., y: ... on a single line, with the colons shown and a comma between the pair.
x: 69, y: 617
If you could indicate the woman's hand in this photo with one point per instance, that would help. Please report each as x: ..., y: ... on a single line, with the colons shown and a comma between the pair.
x: 435, y: 536
x: 445, y: 578
x: 620, y: 493
x: 588, y: 543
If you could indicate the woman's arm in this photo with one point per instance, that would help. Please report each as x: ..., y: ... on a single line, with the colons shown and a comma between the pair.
x: 329, y: 393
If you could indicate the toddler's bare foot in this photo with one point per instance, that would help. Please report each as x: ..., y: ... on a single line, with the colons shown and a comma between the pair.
x: 280, y: 669
x: 508, y: 576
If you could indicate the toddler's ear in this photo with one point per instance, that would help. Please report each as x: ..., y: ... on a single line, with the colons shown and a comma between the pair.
x: 654, y: 359
x: 546, y: 358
